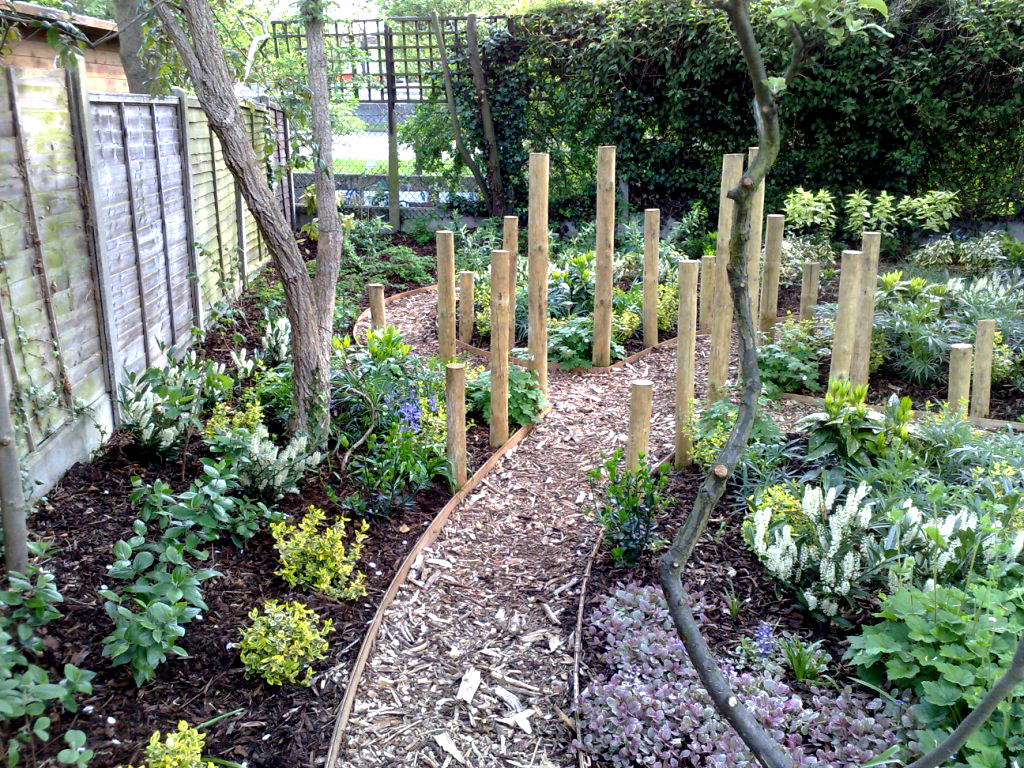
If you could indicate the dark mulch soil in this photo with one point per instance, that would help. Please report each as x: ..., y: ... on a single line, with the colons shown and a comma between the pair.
x: 278, y: 726
x: 89, y: 510
x: 722, y: 567
x: 1006, y: 401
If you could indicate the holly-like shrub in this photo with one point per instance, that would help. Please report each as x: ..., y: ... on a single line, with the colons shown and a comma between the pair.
x: 283, y: 642
x: 317, y: 557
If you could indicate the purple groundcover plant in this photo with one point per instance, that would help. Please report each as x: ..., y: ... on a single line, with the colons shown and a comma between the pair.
x: 653, y: 711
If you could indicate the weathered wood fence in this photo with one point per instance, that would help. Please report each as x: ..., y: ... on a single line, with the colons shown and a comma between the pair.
x: 120, y: 229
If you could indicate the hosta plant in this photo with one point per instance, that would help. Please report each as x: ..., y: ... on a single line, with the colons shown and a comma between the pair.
x: 283, y: 642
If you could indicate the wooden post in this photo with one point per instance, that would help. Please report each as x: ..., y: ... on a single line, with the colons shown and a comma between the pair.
x: 981, y: 388
x: 391, y: 91
x: 377, y: 317
x: 467, y: 315
x: 510, y: 243
x: 97, y: 240
x: 537, y: 267
x: 721, y: 317
x: 959, y: 376
x: 850, y: 274
x: 652, y: 243
x: 871, y: 245
x: 455, y: 405
x: 772, y: 267
x: 753, y: 249
x: 446, y: 294
x: 708, y: 274
x: 809, y: 289
x: 190, y: 213
x: 499, y: 348
x: 686, y: 343
x: 603, y: 255
x: 640, y: 396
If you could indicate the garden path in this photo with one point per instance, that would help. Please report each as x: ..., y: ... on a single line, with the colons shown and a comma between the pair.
x: 497, y: 592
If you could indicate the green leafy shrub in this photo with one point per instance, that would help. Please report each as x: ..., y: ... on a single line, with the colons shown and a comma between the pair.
x: 811, y: 211
x: 668, y: 305
x: 28, y: 695
x: 798, y: 250
x: 283, y: 642
x: 627, y: 505
x: 182, y: 748
x: 316, y: 556
x: 790, y: 363
x: 713, y: 425
x: 949, y: 646
x: 525, y: 398
x: 625, y: 324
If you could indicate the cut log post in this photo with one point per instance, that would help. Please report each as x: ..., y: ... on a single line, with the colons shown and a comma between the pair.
x: 772, y: 267
x: 499, y: 348
x: 537, y: 267
x: 850, y: 274
x: 981, y: 387
x: 640, y: 396
x: 467, y: 314
x: 510, y: 243
x: 603, y: 255
x: 652, y: 244
x: 871, y: 245
x: 753, y: 249
x: 446, y: 294
x: 721, y: 318
x: 686, y: 345
x: 455, y: 404
x: 809, y: 289
x: 960, y: 376
x: 378, y: 319
x: 708, y: 273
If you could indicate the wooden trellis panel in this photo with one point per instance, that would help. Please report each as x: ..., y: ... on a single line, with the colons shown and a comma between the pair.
x: 48, y: 302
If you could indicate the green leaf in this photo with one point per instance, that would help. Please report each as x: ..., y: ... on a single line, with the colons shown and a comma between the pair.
x: 876, y: 5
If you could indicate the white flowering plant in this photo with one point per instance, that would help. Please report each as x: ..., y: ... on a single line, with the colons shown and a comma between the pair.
x: 161, y: 404
x: 276, y: 341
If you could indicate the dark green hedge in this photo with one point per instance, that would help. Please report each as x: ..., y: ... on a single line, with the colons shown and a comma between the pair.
x: 940, y: 105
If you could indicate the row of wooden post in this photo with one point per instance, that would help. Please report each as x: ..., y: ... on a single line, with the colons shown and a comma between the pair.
x: 970, y: 372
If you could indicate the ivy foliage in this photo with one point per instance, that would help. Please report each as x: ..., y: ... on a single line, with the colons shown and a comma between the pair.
x: 935, y: 104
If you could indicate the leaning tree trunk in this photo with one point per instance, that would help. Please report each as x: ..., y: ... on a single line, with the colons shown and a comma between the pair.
x: 140, y: 68
x: 206, y: 63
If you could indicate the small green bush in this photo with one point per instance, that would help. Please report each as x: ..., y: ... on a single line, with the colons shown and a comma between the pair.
x: 317, y: 557
x: 627, y: 507
x: 283, y: 642
x: 525, y: 398
x: 790, y: 363
x: 182, y: 748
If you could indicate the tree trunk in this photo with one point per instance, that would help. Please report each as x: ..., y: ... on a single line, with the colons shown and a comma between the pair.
x: 206, y: 63
x: 142, y: 70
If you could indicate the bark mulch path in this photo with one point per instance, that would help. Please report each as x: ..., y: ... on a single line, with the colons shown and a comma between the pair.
x: 494, y: 599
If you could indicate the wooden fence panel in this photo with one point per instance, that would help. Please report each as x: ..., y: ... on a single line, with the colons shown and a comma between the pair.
x: 48, y: 301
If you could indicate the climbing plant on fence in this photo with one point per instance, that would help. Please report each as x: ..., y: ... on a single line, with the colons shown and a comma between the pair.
x: 936, y: 106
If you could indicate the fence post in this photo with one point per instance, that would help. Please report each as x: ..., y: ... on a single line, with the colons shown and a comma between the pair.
x: 981, y: 388
x: 240, y: 230
x: 809, y: 289
x: 466, y: 306
x: 871, y: 245
x: 772, y: 266
x: 510, y: 243
x: 190, y: 211
x: 603, y: 255
x: 445, y: 294
x: 12, y: 498
x: 721, y: 319
x: 753, y: 250
x: 378, y: 318
x: 686, y: 343
x: 850, y: 274
x: 97, y: 239
x: 959, y: 376
x: 708, y: 271
x: 499, y: 348
x: 394, y: 211
x: 652, y: 243
x: 455, y: 404
x: 537, y: 267
x: 640, y: 395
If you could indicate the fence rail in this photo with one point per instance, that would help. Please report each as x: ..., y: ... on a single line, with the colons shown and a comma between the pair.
x: 120, y: 229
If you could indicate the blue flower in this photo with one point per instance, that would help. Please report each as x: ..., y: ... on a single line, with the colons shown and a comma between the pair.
x: 764, y: 640
x: 409, y: 415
